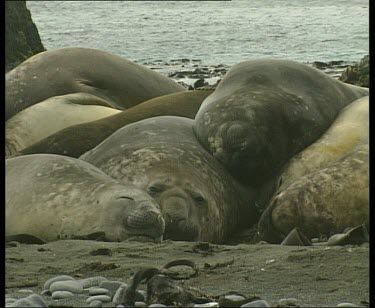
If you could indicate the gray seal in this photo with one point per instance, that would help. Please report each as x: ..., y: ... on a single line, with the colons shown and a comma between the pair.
x: 198, y: 198
x: 265, y: 111
x: 55, y: 197
x: 75, y: 140
x: 113, y: 78
x: 46, y: 118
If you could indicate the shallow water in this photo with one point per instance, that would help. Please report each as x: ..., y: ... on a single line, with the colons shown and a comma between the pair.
x: 215, y: 32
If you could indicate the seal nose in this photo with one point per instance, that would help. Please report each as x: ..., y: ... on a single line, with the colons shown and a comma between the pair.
x: 145, y: 220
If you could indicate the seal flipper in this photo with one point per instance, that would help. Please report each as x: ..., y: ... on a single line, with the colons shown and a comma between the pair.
x: 24, y: 239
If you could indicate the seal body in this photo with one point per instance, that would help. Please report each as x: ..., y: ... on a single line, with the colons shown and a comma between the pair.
x: 56, y: 197
x: 76, y: 140
x: 113, y: 78
x: 324, y: 202
x: 198, y: 198
x: 350, y: 129
x: 265, y: 111
x: 45, y: 118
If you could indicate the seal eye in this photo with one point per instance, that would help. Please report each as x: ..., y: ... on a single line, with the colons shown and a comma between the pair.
x: 154, y: 190
x: 126, y: 197
x: 199, y: 200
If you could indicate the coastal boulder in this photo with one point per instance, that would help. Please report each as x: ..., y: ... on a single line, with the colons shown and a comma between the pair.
x: 358, y: 74
x: 21, y: 35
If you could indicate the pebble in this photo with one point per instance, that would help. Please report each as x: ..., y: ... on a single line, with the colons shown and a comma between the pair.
x: 58, y: 278
x: 61, y: 294
x: 211, y: 304
x: 315, y: 240
x: 140, y: 304
x: 9, y: 300
x: 98, y: 291
x: 71, y: 286
x: 287, y: 302
x: 346, y: 305
x: 117, y: 298
x: 96, y: 303
x: 258, y: 303
x: 92, y: 281
x: 25, y: 291
x: 156, y: 305
x: 234, y: 297
x: 33, y: 300
x: 102, y: 298
x: 112, y: 286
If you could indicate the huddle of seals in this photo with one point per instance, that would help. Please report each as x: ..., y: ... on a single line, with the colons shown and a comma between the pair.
x: 205, y: 174
x: 198, y: 198
x: 118, y: 81
x: 47, y: 117
x: 56, y: 197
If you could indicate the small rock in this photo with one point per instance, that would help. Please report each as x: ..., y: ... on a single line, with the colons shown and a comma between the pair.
x: 117, y: 298
x: 102, y: 298
x: 96, y: 303
x: 285, y: 302
x: 25, y: 291
x: 13, y: 244
x: 156, y: 305
x: 33, y: 300
x: 315, y: 240
x: 98, y: 291
x: 71, y: 286
x: 211, y: 304
x: 61, y: 294
x: 92, y: 281
x: 58, y: 278
x: 234, y: 297
x: 140, y: 304
x: 199, y: 83
x: 101, y: 252
x: 346, y: 305
x: 112, y: 286
x: 259, y: 303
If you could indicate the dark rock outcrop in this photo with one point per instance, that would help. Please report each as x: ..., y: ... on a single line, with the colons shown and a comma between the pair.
x: 358, y: 74
x: 21, y: 35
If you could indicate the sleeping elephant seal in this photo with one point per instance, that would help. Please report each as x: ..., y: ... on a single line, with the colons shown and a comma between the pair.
x: 350, y: 129
x: 45, y: 118
x: 324, y: 202
x: 198, y: 198
x: 56, y: 197
x: 265, y: 111
x: 78, y: 139
x: 113, y: 78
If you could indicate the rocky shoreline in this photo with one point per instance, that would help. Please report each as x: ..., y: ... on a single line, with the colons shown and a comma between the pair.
x: 193, y: 74
x: 228, y: 275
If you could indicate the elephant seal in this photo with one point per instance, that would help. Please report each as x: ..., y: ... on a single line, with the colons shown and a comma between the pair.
x: 350, y: 129
x: 56, y: 197
x: 265, y: 111
x: 45, y: 118
x: 113, y: 78
x: 78, y: 139
x: 324, y: 202
x: 198, y: 198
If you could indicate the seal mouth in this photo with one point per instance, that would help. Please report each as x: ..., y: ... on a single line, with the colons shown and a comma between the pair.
x: 181, y: 230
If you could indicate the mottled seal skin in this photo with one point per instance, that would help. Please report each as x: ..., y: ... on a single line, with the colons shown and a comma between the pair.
x: 350, y: 129
x: 78, y: 139
x: 198, y: 198
x: 56, y: 197
x: 45, y: 118
x: 265, y: 111
x: 324, y: 202
x: 113, y: 78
